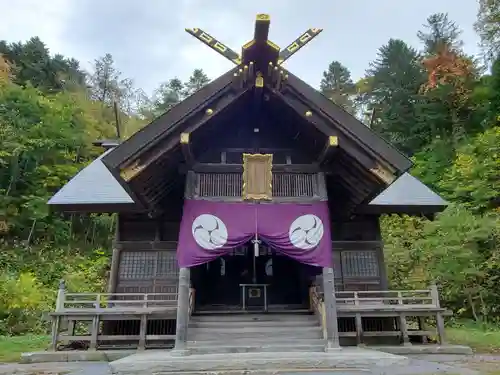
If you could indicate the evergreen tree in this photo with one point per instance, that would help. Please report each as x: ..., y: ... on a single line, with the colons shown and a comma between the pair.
x: 393, y: 81
x: 168, y: 95
x: 488, y: 28
x: 439, y: 33
x: 197, y: 80
x: 338, y: 86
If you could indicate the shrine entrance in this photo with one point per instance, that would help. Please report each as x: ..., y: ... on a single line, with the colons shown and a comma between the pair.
x: 242, y: 281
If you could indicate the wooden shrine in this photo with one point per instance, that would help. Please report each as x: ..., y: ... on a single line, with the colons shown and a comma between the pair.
x: 256, y: 134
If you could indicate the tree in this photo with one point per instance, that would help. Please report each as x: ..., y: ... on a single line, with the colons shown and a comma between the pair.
x: 474, y: 178
x: 197, y: 80
x: 391, y: 89
x: 338, y: 86
x: 31, y: 62
x: 439, y: 33
x: 5, y: 71
x: 105, y: 80
x: 488, y: 28
x: 168, y: 95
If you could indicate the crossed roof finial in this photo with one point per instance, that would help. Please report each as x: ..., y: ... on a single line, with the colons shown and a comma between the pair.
x: 260, y: 49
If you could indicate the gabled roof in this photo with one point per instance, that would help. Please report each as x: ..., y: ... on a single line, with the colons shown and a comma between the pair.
x: 164, y: 124
x: 348, y: 123
x: 407, y: 195
x: 93, y: 186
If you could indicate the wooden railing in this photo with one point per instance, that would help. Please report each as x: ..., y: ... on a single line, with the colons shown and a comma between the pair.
x: 318, y: 308
x: 414, y: 298
x: 391, y: 304
x: 123, y: 301
x: 192, y: 294
x: 73, y: 308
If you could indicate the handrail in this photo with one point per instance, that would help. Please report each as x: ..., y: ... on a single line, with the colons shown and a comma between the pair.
x: 426, y: 297
x: 318, y: 307
x: 112, y: 300
x: 192, y: 294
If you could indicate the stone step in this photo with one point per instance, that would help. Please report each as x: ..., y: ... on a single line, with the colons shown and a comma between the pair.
x: 255, y: 323
x: 263, y: 347
x: 161, y: 362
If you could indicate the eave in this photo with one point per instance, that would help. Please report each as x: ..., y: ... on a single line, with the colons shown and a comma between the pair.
x: 349, y: 126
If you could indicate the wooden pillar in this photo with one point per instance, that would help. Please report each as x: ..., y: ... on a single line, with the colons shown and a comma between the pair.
x: 113, y: 271
x: 182, y: 311
x: 115, y: 259
x: 439, y: 316
x: 332, y: 329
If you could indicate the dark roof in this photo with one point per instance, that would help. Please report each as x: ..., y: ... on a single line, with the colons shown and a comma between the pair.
x: 161, y: 126
x: 349, y: 124
x: 106, y: 143
x: 93, y: 185
x: 167, y: 123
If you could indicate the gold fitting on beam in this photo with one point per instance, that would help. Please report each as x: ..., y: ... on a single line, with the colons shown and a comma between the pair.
x: 184, y: 138
x: 209, y: 111
x: 333, y: 141
x: 309, y: 114
x: 251, y: 70
x: 263, y: 17
x: 270, y: 69
x: 259, y: 81
x: 245, y: 73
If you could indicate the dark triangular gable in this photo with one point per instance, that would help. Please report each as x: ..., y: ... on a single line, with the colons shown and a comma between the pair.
x: 339, y: 119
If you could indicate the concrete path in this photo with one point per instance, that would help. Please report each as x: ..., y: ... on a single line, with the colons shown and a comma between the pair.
x: 419, y: 365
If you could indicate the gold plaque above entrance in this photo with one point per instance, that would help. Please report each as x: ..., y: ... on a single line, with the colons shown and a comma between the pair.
x: 257, y: 176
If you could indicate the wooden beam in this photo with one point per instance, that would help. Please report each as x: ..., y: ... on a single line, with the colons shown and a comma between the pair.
x: 238, y: 168
x: 331, y: 145
x: 186, y: 149
x: 215, y: 45
x: 297, y: 44
x: 198, y: 120
x: 325, y: 126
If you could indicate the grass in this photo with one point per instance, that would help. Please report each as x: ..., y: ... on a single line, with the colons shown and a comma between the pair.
x: 482, y: 338
x: 12, y: 347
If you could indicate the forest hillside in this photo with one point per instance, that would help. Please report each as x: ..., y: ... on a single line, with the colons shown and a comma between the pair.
x: 436, y: 103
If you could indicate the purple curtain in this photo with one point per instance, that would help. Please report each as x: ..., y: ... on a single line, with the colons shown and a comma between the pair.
x: 212, y: 229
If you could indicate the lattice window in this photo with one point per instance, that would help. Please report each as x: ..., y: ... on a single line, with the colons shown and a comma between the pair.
x: 144, y: 265
x: 220, y: 184
x: 359, y: 264
x: 283, y: 185
x: 294, y: 184
x: 167, y: 264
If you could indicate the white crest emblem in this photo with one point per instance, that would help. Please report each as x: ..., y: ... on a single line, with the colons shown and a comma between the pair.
x: 209, y: 231
x: 306, y: 231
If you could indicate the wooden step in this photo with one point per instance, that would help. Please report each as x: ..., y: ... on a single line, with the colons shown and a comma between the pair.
x: 254, y: 317
x: 194, y: 324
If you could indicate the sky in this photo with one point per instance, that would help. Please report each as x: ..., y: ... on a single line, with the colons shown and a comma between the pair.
x: 149, y: 44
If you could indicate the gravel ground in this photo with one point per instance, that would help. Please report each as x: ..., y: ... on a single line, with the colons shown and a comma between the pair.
x: 421, y: 364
